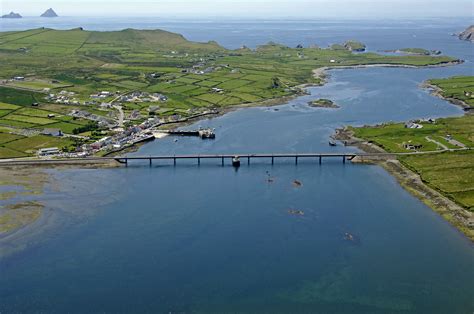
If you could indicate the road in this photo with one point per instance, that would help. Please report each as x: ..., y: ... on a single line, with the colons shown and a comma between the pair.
x: 29, y: 161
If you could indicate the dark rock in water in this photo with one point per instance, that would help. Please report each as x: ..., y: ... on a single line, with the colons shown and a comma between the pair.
x: 49, y: 13
x: 12, y: 15
x: 351, y: 238
x: 297, y: 184
x: 296, y: 212
x: 468, y: 34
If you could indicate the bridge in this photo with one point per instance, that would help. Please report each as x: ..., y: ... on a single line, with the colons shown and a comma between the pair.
x: 318, y: 157
x: 220, y: 158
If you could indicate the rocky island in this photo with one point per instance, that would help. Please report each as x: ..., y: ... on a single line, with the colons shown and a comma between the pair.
x: 49, y: 13
x: 416, y: 52
x: 12, y: 15
x: 356, y: 46
x: 323, y: 103
x: 468, y: 34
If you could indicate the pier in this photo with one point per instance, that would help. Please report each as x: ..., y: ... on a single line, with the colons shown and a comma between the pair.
x: 202, y: 133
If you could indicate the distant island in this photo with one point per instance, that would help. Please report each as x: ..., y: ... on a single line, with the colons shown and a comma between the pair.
x: 468, y: 34
x: 49, y: 13
x: 12, y: 15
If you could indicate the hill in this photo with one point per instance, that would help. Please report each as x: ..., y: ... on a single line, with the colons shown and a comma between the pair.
x: 49, y: 13
x: 468, y: 34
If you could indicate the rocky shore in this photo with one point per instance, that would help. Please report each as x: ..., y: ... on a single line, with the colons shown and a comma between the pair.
x: 457, y: 215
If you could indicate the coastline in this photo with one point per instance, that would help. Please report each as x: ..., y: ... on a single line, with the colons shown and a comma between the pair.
x: 455, y: 214
x: 319, y: 73
x: 438, y: 92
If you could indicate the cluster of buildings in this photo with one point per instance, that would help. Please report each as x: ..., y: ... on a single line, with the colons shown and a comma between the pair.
x: 416, y: 124
x: 101, y: 120
x: 63, y: 97
x: 143, y: 97
x: 103, y: 95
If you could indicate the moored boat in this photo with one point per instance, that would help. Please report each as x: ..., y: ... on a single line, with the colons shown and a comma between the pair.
x: 236, y: 161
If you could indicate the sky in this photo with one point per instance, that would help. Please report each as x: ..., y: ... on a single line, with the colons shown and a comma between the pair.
x: 246, y: 8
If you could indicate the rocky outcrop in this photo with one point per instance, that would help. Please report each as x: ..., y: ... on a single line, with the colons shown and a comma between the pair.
x: 49, y: 13
x: 468, y: 34
x: 12, y: 15
x: 353, y: 45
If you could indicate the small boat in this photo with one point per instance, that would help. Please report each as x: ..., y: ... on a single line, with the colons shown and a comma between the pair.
x: 332, y: 143
x: 236, y: 161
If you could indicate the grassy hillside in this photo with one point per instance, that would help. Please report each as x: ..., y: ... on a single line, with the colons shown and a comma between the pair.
x: 193, y: 76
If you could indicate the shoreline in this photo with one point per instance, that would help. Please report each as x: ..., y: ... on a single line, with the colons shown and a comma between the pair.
x: 459, y: 217
x: 438, y: 92
x: 319, y: 73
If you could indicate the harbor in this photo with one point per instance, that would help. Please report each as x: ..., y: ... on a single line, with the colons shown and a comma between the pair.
x: 202, y: 133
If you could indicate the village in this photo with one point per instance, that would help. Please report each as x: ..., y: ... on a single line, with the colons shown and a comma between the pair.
x: 126, y: 137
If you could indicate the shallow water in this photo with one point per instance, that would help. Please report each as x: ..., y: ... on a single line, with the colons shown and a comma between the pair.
x: 208, y: 238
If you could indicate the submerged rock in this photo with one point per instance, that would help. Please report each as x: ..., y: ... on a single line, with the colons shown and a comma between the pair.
x: 297, y: 184
x: 296, y: 212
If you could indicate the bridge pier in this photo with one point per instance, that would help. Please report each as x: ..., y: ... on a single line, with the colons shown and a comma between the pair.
x: 344, y: 159
x: 320, y: 159
x: 174, y: 161
x: 273, y: 160
x: 150, y: 161
x: 296, y: 160
x: 248, y: 160
x: 199, y: 161
x: 222, y: 161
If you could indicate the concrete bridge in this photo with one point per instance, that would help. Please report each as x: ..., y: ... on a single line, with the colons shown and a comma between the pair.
x: 220, y: 158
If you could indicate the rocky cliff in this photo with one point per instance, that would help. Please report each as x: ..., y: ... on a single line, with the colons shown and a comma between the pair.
x: 468, y: 34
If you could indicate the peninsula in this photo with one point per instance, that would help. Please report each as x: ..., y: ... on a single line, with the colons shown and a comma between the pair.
x: 443, y: 181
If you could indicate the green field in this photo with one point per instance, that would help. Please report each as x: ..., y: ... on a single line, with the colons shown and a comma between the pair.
x: 460, y: 87
x: 153, y: 61
x: 450, y: 172
x: 29, y: 145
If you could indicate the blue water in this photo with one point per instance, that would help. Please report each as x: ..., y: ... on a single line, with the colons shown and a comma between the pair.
x: 210, y: 239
